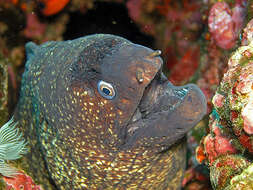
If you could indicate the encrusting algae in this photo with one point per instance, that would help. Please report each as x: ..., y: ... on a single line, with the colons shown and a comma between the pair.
x: 228, y: 147
x: 98, y: 113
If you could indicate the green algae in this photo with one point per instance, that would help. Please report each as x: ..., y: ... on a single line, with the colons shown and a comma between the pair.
x: 224, y: 168
x: 243, y: 181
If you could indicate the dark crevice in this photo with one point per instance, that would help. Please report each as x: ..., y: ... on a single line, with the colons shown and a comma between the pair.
x: 108, y: 18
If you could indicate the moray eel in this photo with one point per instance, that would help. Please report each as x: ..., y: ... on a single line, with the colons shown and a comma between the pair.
x: 98, y: 113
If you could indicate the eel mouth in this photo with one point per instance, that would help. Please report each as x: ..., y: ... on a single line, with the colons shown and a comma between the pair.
x: 164, y: 107
x: 155, y: 100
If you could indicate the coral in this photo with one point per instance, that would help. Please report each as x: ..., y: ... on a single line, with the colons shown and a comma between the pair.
x: 39, y: 31
x: 217, y: 143
x: 34, y: 28
x: 221, y: 25
x: 189, y: 62
x: 236, y: 88
x: 194, y: 179
x: 173, y: 24
x: 21, y: 181
x: 247, y: 34
x: 212, y: 66
x: 228, y: 147
x: 46, y: 7
x: 225, y: 24
x: 224, y: 168
x: 134, y: 7
x: 51, y: 7
x: 244, y: 181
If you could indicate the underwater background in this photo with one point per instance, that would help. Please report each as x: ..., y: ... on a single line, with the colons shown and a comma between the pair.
x: 206, y: 42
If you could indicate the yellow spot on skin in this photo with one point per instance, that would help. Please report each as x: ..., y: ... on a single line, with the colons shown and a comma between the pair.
x: 91, y: 103
x: 99, y: 162
x: 84, y: 185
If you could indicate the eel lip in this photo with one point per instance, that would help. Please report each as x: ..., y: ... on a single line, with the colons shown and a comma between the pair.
x: 166, y: 109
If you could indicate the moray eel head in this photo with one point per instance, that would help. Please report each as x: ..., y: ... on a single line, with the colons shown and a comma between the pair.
x: 133, y: 100
x: 104, y: 115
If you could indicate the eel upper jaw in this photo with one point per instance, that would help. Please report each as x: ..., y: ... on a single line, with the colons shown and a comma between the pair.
x: 163, y: 107
x: 154, y: 100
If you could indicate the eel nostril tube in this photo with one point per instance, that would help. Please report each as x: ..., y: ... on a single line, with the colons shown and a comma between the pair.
x: 155, y: 54
x: 140, y: 75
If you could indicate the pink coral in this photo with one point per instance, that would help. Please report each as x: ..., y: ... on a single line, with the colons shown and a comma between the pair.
x: 186, y: 67
x: 34, y: 28
x: 245, y: 84
x: 21, y: 181
x: 247, y: 115
x: 217, y: 144
x: 242, y: 90
x: 239, y: 13
x: 248, y: 33
x: 221, y: 25
x: 231, y: 124
x: 134, y: 8
x: 218, y: 100
x: 225, y: 24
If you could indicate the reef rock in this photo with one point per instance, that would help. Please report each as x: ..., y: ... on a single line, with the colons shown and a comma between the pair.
x: 228, y: 147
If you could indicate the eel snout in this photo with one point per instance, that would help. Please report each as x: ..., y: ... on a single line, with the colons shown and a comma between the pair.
x: 166, y: 112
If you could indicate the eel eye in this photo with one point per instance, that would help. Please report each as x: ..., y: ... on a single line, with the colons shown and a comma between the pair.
x: 106, y: 90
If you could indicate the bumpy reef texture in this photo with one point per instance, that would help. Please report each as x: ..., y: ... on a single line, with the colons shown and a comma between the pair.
x: 228, y: 148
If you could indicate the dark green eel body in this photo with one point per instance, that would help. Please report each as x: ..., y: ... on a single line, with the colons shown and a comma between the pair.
x: 124, y: 133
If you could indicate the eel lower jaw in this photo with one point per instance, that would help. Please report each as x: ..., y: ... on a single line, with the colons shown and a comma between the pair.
x: 160, y: 96
x: 165, y: 108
